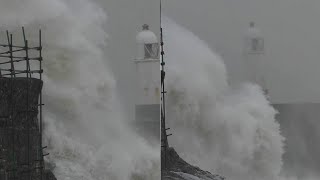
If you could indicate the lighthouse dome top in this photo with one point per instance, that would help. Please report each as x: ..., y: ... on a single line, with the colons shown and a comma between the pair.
x: 146, y: 36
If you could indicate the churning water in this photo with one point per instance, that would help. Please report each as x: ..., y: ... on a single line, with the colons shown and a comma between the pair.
x: 85, y: 129
x: 228, y: 130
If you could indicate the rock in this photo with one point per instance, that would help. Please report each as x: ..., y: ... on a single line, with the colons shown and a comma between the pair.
x: 178, y: 169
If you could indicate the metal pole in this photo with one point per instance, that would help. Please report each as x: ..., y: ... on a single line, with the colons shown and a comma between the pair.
x: 11, y: 104
x: 163, y: 92
x: 10, y: 52
x: 40, y: 118
x: 27, y: 52
x: 27, y: 111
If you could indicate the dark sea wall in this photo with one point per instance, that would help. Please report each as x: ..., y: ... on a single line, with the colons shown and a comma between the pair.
x: 19, y: 128
x: 178, y: 169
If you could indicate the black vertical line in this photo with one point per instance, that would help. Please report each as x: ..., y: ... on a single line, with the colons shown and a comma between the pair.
x: 13, y: 126
x: 11, y: 56
x: 163, y: 145
x: 163, y: 156
x: 12, y: 75
x: 26, y: 49
x: 164, y: 138
x: 27, y: 109
x: 40, y: 118
x: 24, y: 34
x: 163, y: 108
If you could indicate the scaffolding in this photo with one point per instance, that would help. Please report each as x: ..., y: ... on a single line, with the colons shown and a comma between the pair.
x: 22, y: 62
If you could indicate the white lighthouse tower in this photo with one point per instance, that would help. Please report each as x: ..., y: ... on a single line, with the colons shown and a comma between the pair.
x: 254, y: 56
x: 147, y: 99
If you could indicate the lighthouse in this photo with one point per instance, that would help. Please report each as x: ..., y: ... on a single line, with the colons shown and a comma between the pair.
x: 147, y: 98
x: 254, y: 52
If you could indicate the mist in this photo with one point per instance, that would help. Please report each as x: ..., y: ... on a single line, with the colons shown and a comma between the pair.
x: 125, y: 20
x: 85, y: 125
x: 290, y: 65
x: 225, y: 130
x: 290, y: 28
x: 107, y: 31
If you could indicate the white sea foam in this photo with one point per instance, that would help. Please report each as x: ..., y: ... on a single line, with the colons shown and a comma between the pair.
x: 229, y: 131
x: 85, y: 128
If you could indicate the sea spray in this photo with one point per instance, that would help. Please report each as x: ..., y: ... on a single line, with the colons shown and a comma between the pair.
x: 85, y: 129
x: 229, y: 131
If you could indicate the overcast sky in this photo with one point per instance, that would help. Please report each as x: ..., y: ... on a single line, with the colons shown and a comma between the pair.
x: 125, y: 20
x: 291, y: 29
x: 292, y: 33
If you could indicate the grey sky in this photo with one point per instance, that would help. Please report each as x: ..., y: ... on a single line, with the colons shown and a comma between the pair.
x: 291, y: 29
x: 125, y: 20
x: 292, y: 34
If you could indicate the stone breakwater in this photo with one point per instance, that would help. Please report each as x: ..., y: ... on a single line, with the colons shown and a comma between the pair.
x: 19, y: 129
x: 178, y: 169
